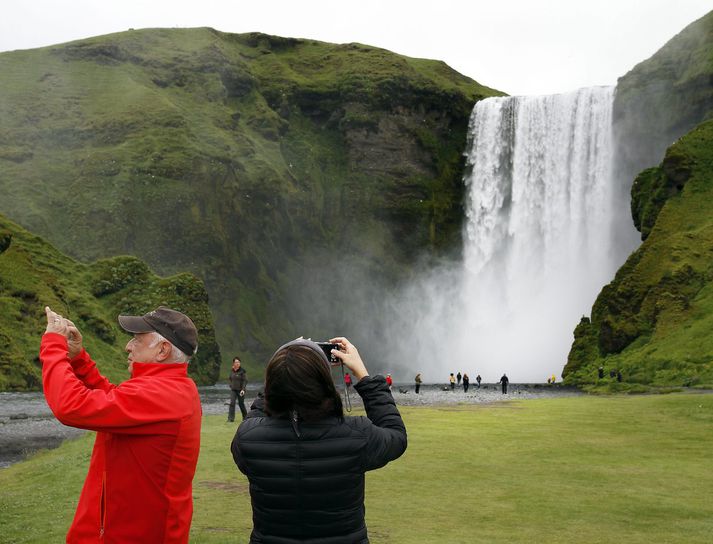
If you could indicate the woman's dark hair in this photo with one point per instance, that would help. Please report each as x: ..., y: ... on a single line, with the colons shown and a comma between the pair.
x: 298, y: 379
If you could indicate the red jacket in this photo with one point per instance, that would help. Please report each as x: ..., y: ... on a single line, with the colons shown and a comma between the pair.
x: 138, y: 488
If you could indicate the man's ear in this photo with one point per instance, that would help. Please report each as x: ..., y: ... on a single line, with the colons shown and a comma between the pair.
x: 164, y: 352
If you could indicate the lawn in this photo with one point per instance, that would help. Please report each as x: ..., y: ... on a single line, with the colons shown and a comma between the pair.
x: 632, y: 469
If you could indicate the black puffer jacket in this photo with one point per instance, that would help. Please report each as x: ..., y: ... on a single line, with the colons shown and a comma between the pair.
x: 238, y: 380
x: 307, y: 480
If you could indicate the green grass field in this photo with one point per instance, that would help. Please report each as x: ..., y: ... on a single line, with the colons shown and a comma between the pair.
x: 632, y: 469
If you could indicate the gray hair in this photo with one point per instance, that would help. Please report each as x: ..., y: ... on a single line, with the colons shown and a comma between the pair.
x: 176, y: 356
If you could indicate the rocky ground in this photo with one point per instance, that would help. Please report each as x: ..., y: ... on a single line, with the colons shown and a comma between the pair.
x: 27, y: 424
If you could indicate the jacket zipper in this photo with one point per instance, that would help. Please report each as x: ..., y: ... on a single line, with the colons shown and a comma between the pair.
x: 102, y: 507
x: 296, y: 427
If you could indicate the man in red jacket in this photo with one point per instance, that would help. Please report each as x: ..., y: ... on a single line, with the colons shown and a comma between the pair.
x: 139, y: 485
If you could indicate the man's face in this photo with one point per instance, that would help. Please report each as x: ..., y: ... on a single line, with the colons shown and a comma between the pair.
x: 141, y: 350
x: 236, y: 364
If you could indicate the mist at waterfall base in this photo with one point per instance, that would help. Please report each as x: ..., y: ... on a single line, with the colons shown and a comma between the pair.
x: 547, y: 225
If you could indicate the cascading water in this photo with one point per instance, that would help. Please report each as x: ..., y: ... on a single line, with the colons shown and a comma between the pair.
x: 538, y: 239
x: 547, y: 226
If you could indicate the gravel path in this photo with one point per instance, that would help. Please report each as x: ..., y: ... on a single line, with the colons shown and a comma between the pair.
x: 27, y: 424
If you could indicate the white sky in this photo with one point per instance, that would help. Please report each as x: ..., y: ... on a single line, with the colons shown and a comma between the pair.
x: 517, y: 46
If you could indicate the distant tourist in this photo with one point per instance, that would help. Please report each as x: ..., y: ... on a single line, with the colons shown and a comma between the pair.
x: 418, y: 382
x: 618, y: 376
x: 554, y: 379
x: 347, y: 380
x: 304, y: 459
x: 504, y: 382
x: 238, y: 381
x: 600, y: 372
x: 139, y: 484
x: 478, y: 379
x: 466, y: 382
x: 612, y: 373
x: 389, y: 381
x: 458, y: 377
x: 452, y: 379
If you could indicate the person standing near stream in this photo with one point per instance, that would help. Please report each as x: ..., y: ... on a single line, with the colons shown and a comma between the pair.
x: 238, y: 381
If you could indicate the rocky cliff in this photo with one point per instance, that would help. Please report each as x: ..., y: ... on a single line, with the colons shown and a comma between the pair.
x: 664, y: 97
x: 277, y: 170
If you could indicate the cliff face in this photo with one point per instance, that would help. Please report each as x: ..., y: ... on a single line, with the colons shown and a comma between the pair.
x: 651, y: 321
x: 34, y: 274
x: 664, y: 97
x: 248, y: 160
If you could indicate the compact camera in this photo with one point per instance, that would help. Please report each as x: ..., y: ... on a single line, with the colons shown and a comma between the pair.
x: 327, y: 349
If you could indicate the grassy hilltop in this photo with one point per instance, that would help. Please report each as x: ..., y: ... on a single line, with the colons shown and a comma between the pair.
x: 654, y: 320
x: 34, y: 274
x: 272, y: 168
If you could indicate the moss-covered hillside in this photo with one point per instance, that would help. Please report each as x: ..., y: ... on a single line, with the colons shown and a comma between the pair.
x: 654, y: 320
x: 34, y: 274
x: 249, y: 160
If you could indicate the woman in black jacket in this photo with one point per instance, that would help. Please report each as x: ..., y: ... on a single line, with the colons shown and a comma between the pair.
x: 305, y: 461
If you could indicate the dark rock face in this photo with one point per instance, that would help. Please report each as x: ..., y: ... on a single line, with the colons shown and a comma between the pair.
x: 663, y: 98
x: 654, y: 186
x: 5, y: 240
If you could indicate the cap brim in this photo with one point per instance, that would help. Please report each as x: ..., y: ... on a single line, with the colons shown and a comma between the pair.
x: 134, y: 324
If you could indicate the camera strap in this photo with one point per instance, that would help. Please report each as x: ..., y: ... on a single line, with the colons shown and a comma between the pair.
x: 347, y: 393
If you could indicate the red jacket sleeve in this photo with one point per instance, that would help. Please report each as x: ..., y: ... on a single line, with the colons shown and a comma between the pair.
x: 137, y: 406
x: 86, y: 370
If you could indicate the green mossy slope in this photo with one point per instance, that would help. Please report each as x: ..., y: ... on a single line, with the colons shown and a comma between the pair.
x: 245, y: 159
x: 654, y: 321
x: 34, y: 274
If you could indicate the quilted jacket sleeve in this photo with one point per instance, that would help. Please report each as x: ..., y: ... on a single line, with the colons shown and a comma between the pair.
x: 387, y: 433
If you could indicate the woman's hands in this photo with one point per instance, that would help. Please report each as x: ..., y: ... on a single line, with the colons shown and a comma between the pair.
x: 349, y: 355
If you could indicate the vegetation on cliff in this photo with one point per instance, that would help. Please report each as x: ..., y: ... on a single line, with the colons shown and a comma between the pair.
x: 34, y: 274
x: 654, y: 321
x: 249, y: 160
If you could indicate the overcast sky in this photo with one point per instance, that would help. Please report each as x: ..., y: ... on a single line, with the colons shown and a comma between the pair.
x: 517, y: 46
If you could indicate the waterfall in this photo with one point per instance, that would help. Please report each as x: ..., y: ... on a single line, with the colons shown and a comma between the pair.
x: 547, y: 226
x: 538, y: 237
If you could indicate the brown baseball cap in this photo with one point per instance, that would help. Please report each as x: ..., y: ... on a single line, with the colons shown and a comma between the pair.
x: 174, y: 326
